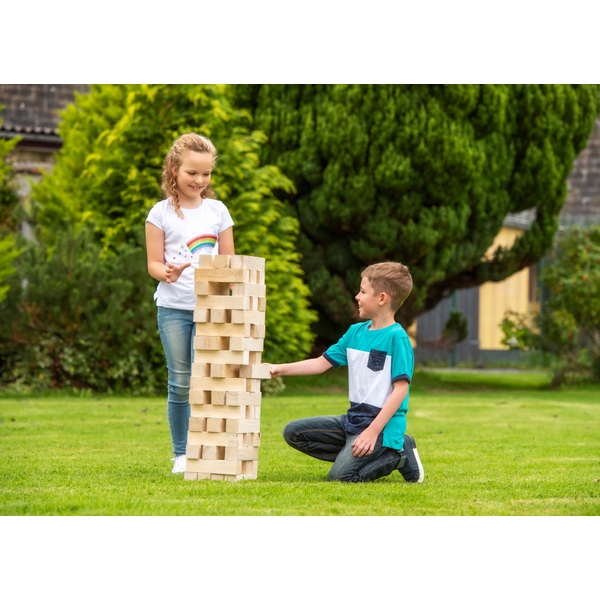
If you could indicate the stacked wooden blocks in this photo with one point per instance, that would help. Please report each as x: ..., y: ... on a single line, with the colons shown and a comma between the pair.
x: 225, y: 394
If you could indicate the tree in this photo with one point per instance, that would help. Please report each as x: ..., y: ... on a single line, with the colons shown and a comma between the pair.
x: 568, y: 326
x: 421, y: 174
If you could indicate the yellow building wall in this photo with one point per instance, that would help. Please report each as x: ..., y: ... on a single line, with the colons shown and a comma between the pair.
x: 495, y: 299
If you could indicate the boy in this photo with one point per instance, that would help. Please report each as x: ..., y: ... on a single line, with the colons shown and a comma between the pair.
x: 368, y: 442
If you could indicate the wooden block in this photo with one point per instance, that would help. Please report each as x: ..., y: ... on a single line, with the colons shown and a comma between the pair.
x: 243, y: 343
x: 190, y: 476
x: 254, y: 290
x: 242, y: 425
x: 223, y: 302
x: 198, y: 396
x: 221, y: 261
x: 255, y: 371
x: 257, y: 331
x: 218, y: 384
x: 241, y: 261
x: 210, y: 438
x: 255, y: 317
x: 215, y: 425
x: 253, y: 385
x: 251, y: 412
x: 241, y: 453
x: 221, y: 275
x: 218, y: 370
x: 217, y: 397
x: 224, y: 329
x: 249, y: 469
x: 242, y: 398
x: 205, y: 261
x: 217, y: 467
x: 219, y: 315
x: 212, y: 288
x: 192, y: 451
x: 197, y: 424
x: 211, y: 342
x: 201, y: 369
x: 228, y: 357
x: 213, y: 453
x: 201, y: 315
x: 219, y: 412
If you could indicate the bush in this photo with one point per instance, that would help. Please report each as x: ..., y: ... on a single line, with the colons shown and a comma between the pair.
x: 79, y: 317
x: 568, y: 325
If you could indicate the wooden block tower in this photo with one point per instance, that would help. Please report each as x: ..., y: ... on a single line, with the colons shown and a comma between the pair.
x: 225, y: 394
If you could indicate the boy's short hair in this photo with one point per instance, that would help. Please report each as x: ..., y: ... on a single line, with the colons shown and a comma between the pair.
x: 393, y: 278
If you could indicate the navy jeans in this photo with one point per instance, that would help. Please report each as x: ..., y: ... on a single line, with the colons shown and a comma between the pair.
x: 177, y: 329
x: 326, y: 439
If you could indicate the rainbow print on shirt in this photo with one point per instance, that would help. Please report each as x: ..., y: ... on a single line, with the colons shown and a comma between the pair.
x: 202, y: 244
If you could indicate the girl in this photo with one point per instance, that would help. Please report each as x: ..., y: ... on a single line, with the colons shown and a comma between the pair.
x: 189, y: 222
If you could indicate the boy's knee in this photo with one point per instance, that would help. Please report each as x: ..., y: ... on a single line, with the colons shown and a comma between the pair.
x: 287, y: 433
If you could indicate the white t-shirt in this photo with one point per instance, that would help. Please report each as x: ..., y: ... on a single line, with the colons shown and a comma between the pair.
x: 185, y: 239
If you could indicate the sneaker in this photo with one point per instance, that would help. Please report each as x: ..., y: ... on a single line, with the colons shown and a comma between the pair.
x: 410, y: 466
x: 179, y: 466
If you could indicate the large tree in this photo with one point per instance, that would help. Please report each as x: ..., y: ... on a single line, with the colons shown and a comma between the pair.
x: 423, y: 174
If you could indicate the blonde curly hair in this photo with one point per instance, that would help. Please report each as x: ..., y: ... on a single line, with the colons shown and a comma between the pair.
x: 188, y: 142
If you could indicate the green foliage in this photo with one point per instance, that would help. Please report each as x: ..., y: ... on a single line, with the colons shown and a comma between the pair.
x: 423, y: 174
x: 76, y: 317
x: 569, y: 324
x: 8, y: 223
x: 107, y: 177
x: 456, y: 328
x: 8, y: 254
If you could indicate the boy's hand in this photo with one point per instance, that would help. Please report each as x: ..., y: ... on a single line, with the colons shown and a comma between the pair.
x: 364, y: 444
x: 274, y: 370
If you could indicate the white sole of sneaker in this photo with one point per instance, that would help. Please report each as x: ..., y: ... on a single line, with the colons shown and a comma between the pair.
x: 421, y: 470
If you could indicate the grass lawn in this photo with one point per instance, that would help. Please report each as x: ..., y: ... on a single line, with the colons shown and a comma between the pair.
x: 492, y: 444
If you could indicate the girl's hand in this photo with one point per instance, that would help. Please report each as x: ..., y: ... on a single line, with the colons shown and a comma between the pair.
x: 173, y: 271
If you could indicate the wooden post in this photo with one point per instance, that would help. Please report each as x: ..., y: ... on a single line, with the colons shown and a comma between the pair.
x: 225, y: 395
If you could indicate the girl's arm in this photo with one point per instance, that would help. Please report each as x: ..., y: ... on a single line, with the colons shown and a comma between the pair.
x: 226, y: 245
x: 155, y: 250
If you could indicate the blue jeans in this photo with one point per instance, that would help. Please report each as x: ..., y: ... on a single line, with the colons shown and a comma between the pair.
x: 177, y: 329
x: 326, y: 439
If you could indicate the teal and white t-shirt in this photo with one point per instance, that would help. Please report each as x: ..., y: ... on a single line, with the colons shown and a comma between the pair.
x: 376, y: 358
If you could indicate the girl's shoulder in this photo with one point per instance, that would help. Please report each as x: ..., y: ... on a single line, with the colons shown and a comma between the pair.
x: 161, y: 205
x: 213, y: 202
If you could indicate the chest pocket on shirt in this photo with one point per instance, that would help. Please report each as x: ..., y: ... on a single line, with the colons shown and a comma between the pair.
x: 376, y: 360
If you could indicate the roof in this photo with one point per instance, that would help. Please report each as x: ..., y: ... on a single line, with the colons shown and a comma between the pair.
x: 32, y: 111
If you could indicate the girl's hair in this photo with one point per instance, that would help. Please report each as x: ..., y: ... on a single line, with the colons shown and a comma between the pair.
x: 393, y: 278
x: 188, y: 142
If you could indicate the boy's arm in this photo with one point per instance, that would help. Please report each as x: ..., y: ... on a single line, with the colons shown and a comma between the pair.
x: 310, y: 366
x: 365, y: 442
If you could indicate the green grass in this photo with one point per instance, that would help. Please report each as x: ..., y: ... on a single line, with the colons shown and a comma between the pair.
x: 492, y: 444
